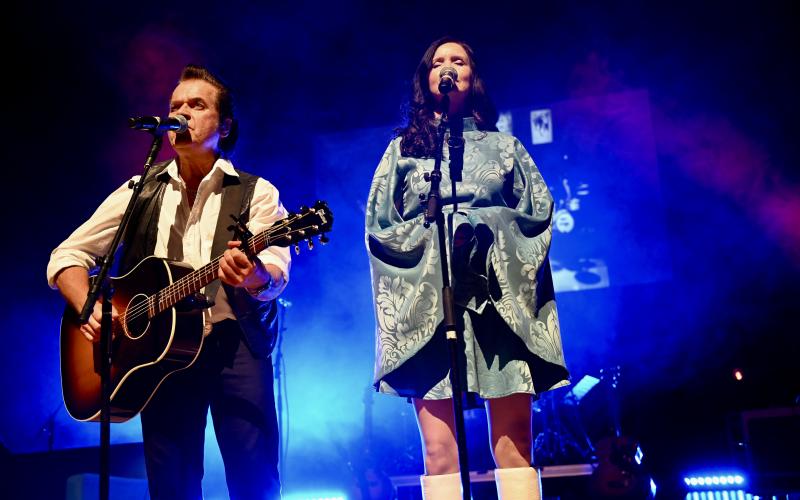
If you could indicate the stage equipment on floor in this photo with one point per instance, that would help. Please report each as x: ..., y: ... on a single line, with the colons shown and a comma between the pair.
x: 772, y: 446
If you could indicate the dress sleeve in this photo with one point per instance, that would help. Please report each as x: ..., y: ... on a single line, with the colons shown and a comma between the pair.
x: 535, y: 199
x: 404, y: 267
x: 519, y: 261
x: 381, y: 210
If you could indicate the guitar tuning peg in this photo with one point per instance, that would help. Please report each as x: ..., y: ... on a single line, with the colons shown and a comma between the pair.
x: 310, y: 244
x: 303, y: 209
x: 324, y: 239
x: 296, y: 249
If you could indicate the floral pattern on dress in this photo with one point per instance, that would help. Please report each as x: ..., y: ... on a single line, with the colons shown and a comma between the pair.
x: 404, y: 317
x: 501, y: 190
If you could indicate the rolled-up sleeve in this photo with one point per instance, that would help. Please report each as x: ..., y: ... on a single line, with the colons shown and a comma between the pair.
x: 265, y: 210
x: 92, y: 238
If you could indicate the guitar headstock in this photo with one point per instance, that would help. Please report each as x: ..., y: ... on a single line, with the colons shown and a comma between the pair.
x: 303, y: 225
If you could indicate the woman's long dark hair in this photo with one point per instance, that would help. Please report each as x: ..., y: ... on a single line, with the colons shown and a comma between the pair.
x: 419, y: 132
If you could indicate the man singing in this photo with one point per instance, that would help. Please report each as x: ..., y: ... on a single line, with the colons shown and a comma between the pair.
x: 183, y: 204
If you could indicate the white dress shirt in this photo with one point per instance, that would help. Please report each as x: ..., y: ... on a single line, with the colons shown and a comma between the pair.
x: 185, y: 233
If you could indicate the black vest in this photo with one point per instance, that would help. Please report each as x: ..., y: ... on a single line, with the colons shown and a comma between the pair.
x: 257, y: 319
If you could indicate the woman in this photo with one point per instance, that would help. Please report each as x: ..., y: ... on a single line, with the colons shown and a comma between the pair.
x: 500, y: 276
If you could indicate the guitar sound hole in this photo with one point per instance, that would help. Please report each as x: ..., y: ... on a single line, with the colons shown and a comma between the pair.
x: 136, y: 322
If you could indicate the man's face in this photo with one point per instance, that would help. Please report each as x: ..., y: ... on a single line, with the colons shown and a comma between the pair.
x: 197, y: 101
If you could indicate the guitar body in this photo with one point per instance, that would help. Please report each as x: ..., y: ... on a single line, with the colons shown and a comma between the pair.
x: 145, y: 351
x: 160, y: 325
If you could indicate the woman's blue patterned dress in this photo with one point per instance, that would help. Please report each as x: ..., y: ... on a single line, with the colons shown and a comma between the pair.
x: 500, y: 273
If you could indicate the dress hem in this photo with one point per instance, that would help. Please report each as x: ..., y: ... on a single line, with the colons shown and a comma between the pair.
x: 384, y: 388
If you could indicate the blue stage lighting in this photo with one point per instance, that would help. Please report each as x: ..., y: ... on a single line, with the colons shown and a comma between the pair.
x: 714, y: 482
x: 315, y: 495
x: 721, y: 495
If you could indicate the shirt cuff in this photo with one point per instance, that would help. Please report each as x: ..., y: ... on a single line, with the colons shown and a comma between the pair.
x: 62, y: 259
x: 270, y: 289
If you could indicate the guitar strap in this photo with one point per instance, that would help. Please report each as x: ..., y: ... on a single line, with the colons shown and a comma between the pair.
x: 236, y: 195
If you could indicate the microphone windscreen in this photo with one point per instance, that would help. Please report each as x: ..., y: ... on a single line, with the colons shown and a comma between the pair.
x: 449, y: 72
x: 183, y: 122
x: 448, y: 76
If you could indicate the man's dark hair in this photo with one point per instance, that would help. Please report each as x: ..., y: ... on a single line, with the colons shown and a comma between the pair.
x: 224, y: 103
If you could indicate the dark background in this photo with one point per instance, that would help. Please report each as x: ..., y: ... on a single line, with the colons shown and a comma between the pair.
x: 721, y: 79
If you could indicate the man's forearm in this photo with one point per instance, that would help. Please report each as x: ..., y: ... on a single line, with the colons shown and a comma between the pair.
x: 73, y: 283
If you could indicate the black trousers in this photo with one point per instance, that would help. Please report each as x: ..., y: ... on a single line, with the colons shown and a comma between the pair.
x: 237, y: 386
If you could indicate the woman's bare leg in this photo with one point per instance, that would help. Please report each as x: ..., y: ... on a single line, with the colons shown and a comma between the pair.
x: 510, y: 430
x: 437, y: 431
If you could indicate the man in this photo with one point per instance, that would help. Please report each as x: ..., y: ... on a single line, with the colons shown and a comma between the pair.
x: 181, y: 215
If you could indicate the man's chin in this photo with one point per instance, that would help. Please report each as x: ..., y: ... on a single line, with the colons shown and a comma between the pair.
x: 182, y: 145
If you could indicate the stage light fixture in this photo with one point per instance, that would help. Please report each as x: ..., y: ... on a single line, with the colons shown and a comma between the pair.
x: 721, y: 495
x: 714, y: 481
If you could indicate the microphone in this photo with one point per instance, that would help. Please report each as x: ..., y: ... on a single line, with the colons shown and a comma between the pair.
x: 158, y: 124
x: 448, y: 76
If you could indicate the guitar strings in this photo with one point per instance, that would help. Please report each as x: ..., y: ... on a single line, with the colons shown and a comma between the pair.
x: 174, y: 292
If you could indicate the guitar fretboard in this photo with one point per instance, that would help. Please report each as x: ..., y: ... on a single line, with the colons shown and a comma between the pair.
x: 291, y: 230
x: 197, y: 279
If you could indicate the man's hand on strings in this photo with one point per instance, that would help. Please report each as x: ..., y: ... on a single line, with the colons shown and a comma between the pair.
x: 91, y: 329
x: 236, y: 268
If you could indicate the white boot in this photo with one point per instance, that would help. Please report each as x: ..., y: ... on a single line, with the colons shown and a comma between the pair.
x: 519, y: 483
x: 441, y: 487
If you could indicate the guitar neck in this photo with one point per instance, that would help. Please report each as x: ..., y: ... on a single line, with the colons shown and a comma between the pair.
x: 199, y: 278
x: 290, y: 230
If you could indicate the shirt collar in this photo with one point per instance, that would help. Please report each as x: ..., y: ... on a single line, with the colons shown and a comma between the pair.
x: 221, y: 165
x: 225, y: 166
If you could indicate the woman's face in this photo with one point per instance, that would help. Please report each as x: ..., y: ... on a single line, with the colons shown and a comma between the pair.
x: 453, y: 55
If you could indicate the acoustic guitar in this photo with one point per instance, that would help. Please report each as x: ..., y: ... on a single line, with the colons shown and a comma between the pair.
x: 159, y: 328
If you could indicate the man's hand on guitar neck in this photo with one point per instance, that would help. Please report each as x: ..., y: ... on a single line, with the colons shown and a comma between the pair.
x: 236, y: 269
x: 73, y: 283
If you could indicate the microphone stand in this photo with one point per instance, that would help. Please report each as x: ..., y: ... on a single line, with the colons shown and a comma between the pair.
x: 433, y: 214
x: 280, y: 382
x: 102, y: 285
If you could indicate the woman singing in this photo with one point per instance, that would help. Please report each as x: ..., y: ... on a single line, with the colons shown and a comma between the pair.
x: 499, y: 243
